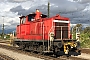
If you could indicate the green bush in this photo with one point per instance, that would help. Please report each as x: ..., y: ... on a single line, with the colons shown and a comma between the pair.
x: 85, y: 40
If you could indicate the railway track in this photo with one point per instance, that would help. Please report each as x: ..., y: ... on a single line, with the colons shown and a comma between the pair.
x: 45, y: 57
x: 4, y: 57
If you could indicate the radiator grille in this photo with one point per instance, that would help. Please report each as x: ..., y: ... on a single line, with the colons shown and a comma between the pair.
x: 61, y: 30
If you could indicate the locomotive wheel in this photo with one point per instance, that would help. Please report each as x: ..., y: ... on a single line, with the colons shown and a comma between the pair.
x: 51, y: 48
x: 22, y: 46
x: 41, y: 48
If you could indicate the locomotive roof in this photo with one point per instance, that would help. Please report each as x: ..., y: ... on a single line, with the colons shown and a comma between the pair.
x: 21, y: 16
x: 33, y: 14
x: 42, y: 15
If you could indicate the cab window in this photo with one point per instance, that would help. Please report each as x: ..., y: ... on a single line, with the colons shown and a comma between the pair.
x: 30, y: 18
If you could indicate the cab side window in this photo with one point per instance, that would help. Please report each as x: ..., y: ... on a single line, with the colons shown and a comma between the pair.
x: 30, y: 18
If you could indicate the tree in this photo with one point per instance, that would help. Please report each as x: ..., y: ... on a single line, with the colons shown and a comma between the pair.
x: 87, y: 30
x: 79, y: 26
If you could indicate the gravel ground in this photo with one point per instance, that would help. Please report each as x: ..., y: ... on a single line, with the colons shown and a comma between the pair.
x: 5, y: 57
x: 86, y: 50
x: 17, y: 56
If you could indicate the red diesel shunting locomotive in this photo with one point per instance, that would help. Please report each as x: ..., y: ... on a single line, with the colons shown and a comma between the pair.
x: 38, y: 33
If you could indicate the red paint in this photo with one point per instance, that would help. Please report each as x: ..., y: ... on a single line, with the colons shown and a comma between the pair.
x: 39, y: 28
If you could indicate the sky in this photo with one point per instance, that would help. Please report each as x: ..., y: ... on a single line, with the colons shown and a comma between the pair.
x: 77, y: 10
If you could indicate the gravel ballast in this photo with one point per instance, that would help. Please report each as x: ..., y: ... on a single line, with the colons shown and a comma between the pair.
x: 17, y: 56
